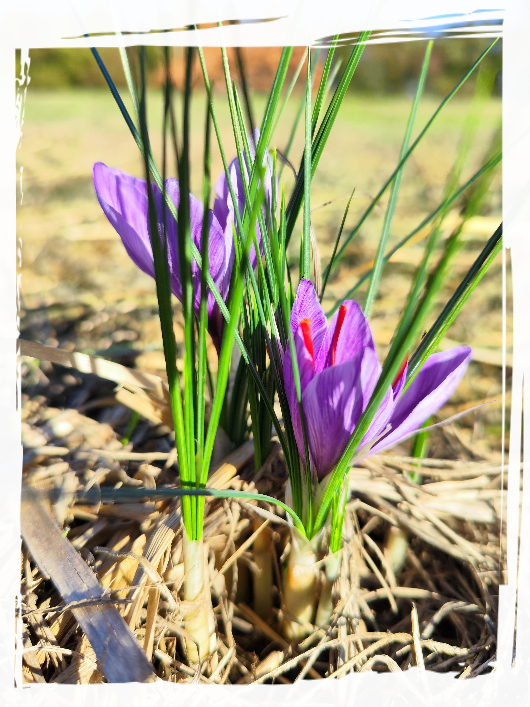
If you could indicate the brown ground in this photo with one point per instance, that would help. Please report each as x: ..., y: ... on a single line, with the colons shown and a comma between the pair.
x: 80, y: 292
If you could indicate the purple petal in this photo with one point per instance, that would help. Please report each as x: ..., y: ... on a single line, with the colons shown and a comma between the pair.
x: 380, y: 420
x: 307, y: 306
x: 354, y: 336
x: 306, y: 370
x: 333, y: 403
x: 221, y: 257
x: 399, y: 384
x: 427, y: 393
x: 124, y: 202
x: 223, y: 206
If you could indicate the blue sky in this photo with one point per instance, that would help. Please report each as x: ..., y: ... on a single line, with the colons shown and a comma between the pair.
x: 428, y: 16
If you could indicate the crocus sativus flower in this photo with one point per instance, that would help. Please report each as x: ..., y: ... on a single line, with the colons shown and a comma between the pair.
x: 339, y: 370
x: 123, y: 199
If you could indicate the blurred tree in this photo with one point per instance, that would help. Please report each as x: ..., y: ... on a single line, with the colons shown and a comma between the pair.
x: 391, y: 61
x: 394, y: 67
x: 50, y: 52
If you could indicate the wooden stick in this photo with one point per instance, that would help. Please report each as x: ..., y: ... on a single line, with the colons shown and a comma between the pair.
x: 117, y: 650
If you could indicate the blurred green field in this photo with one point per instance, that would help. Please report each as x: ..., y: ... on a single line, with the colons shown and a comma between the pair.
x: 50, y: 140
x: 70, y: 252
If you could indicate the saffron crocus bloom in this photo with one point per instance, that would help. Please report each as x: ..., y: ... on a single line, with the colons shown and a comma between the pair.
x: 339, y: 370
x: 124, y: 201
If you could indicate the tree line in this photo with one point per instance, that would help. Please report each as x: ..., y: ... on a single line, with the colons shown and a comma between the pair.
x: 49, y: 52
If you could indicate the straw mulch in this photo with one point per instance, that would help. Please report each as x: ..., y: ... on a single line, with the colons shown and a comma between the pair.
x: 438, y: 611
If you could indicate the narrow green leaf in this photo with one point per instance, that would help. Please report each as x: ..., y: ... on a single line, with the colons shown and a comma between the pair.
x: 129, y: 78
x: 289, y: 91
x: 106, y: 493
x: 337, y: 241
x: 323, y: 86
x: 244, y: 87
x: 228, y: 338
x: 379, y: 258
x: 411, y: 149
x: 305, y: 251
x: 491, y: 164
x: 455, y: 304
x: 203, y: 309
x: 295, y: 202
x: 163, y: 290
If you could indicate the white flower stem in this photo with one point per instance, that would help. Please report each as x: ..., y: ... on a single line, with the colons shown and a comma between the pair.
x: 199, y: 620
x: 325, y: 602
x: 262, y: 581
x: 396, y: 547
x: 299, y: 587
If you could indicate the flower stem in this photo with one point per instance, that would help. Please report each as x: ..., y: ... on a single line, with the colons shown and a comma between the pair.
x: 262, y: 581
x: 299, y: 589
x: 199, y: 620
x: 396, y: 546
x: 325, y: 601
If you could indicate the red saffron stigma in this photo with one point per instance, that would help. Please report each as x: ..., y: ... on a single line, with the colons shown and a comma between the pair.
x: 400, y: 372
x: 340, y: 321
x: 308, y: 341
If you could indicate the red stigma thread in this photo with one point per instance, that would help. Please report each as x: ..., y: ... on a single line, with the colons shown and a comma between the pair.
x: 305, y: 324
x: 340, y: 321
x: 400, y: 372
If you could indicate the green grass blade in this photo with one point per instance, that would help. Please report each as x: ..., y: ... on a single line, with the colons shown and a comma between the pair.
x: 244, y: 86
x: 130, y: 81
x: 391, y: 368
x: 184, y: 249
x: 267, y: 122
x: 455, y: 304
x: 269, y: 281
x: 203, y: 310
x: 305, y: 249
x: 295, y: 202
x: 270, y: 110
x: 417, y: 311
x: 227, y: 344
x: 106, y: 493
x: 411, y: 149
x: 379, y: 258
x: 298, y: 117
x: 117, y: 97
x: 323, y: 86
x: 296, y: 482
x: 289, y: 91
x: 491, y: 164
x: 294, y: 128
x: 337, y: 241
x: 163, y: 290
x: 419, y: 450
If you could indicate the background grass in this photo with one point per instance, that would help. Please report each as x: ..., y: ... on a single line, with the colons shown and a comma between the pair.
x: 71, y: 256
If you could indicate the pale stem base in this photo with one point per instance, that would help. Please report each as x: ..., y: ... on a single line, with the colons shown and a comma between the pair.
x: 325, y: 602
x: 199, y: 620
x: 262, y: 580
x: 299, y: 589
x: 396, y: 547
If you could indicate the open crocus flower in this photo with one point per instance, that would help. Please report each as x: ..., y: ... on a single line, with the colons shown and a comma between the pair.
x: 339, y: 370
x: 124, y: 201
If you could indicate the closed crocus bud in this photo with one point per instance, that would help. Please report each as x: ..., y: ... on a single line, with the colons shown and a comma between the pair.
x: 124, y: 201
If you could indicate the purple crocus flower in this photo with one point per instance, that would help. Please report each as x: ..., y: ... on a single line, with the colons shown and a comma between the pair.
x: 339, y: 370
x: 124, y: 200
